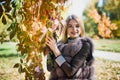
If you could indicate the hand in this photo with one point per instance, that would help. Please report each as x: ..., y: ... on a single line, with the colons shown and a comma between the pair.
x: 50, y: 41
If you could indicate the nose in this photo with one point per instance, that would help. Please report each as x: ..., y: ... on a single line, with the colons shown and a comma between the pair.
x: 74, y: 28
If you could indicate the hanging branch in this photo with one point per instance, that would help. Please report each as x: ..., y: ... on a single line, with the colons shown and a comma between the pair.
x: 32, y: 30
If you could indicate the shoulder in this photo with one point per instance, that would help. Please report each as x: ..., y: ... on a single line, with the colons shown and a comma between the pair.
x: 88, y: 41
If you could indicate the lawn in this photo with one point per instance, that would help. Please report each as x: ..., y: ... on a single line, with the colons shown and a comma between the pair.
x: 8, y: 57
x: 107, y: 45
x: 104, y: 69
x: 7, y: 72
x: 8, y: 49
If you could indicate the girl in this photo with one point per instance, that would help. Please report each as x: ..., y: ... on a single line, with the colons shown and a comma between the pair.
x: 71, y: 57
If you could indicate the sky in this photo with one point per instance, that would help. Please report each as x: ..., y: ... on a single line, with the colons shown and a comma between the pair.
x: 77, y: 7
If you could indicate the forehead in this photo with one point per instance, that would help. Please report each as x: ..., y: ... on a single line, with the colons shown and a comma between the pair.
x: 72, y: 21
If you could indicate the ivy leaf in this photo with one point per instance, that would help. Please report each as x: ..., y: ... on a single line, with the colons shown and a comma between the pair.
x: 26, y: 70
x: 13, y: 4
x: 20, y: 69
x: 21, y: 60
x: 22, y: 52
x: 1, y: 11
x: 12, y: 34
x: 12, y: 25
x: 4, y: 20
x: 9, y: 16
x: 16, y: 65
x: 8, y: 29
x: 7, y: 8
x: 14, y: 12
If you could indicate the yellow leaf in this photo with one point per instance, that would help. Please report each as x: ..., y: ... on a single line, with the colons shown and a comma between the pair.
x: 16, y: 65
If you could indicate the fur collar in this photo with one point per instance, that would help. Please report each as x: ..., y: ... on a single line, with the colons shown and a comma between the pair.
x: 71, y: 46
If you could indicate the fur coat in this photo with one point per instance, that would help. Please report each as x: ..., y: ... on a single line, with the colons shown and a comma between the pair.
x: 79, y: 60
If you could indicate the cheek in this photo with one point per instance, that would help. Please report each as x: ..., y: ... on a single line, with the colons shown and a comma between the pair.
x: 68, y: 32
x: 79, y: 31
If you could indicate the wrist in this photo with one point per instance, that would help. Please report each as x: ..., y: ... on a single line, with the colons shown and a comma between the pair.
x: 57, y: 53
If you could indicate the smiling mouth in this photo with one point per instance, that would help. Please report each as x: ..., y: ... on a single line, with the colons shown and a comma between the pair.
x: 73, y: 33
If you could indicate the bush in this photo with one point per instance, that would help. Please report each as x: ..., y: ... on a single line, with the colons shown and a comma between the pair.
x: 117, y: 32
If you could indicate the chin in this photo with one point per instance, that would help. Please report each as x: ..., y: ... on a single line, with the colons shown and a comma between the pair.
x: 74, y: 37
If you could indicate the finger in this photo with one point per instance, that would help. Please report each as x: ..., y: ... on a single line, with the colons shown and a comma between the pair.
x: 50, y: 41
x: 48, y: 44
x: 52, y: 38
x: 49, y: 38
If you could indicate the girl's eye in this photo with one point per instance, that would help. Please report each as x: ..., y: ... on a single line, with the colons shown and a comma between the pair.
x: 70, y: 26
x: 77, y: 26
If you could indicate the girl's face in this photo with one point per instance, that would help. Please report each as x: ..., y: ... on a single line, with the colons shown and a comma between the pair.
x: 73, y: 29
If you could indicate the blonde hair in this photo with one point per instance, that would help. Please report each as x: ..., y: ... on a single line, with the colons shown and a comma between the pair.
x: 72, y: 17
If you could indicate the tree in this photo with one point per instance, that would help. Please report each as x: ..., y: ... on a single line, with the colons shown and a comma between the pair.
x: 104, y: 27
x: 101, y: 22
x: 90, y: 25
x: 30, y: 21
x: 112, y: 7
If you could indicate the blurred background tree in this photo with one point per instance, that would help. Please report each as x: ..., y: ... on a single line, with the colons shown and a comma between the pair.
x: 111, y: 16
x: 112, y: 7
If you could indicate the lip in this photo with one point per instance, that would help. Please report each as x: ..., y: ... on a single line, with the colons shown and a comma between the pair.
x: 74, y: 33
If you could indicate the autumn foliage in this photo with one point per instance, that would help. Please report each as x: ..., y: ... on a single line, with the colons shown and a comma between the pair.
x: 31, y: 22
x: 104, y: 27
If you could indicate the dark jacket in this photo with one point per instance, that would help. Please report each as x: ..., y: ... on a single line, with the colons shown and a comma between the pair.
x: 79, y: 60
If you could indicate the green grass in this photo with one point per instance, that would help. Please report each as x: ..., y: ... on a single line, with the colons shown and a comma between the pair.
x: 8, y: 49
x: 7, y: 72
x: 8, y: 57
x: 107, y: 45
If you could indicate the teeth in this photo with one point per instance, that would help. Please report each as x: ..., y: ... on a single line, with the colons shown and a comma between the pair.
x: 73, y: 33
